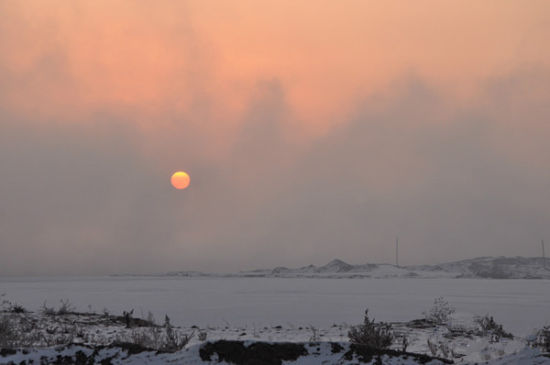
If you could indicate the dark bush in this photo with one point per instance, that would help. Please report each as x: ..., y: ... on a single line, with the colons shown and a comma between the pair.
x: 488, y: 327
x: 174, y: 341
x: 6, y: 331
x: 235, y: 352
x: 17, y: 308
x: 9, y: 306
x: 64, y: 308
x: 372, y: 335
x: 440, y: 313
x: 543, y: 339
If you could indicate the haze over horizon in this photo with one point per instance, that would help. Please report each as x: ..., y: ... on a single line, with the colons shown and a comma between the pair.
x: 309, y: 133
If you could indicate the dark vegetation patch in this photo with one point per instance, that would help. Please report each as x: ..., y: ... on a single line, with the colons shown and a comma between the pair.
x: 422, y: 323
x: 459, y: 333
x: 80, y: 357
x: 366, y: 354
x: 7, y: 352
x: 543, y: 339
x: 66, y: 308
x: 109, y: 319
x: 261, y: 353
x: 371, y: 334
x: 336, y: 348
x: 489, y: 327
x: 258, y: 353
x: 131, y: 348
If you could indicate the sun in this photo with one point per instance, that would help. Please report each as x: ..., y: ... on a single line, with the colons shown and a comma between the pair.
x: 180, y: 180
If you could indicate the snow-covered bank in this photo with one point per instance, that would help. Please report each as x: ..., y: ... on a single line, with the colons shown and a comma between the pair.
x: 72, y: 337
x: 322, y: 353
x: 223, y: 353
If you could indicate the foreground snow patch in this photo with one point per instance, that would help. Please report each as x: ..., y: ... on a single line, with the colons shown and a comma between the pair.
x: 244, y: 353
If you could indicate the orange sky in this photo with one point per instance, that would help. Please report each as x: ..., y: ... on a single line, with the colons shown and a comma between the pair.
x: 65, y: 59
x: 301, y: 123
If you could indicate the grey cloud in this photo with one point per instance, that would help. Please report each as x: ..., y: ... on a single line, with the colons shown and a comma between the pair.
x: 452, y: 182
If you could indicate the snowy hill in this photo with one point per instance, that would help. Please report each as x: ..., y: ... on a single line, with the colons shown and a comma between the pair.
x: 500, y: 268
x: 481, y: 267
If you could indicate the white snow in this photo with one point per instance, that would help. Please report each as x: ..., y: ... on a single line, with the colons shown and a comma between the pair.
x: 292, y: 309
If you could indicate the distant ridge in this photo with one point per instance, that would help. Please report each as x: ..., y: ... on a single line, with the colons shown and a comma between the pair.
x: 480, y: 267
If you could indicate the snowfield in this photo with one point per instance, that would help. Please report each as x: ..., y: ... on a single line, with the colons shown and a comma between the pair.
x: 264, y: 310
x: 520, y: 305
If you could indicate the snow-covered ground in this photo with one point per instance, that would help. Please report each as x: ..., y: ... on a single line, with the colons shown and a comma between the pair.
x: 318, y: 354
x: 106, y: 336
x: 520, y: 305
x: 290, y: 309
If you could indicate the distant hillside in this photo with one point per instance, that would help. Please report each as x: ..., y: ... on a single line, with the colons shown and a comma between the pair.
x: 496, y: 268
x: 481, y: 267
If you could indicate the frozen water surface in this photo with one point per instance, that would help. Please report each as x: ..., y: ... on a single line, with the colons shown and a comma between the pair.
x: 520, y: 305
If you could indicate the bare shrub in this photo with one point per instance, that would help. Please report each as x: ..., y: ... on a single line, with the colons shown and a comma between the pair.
x: 150, y: 318
x: 61, y: 339
x: 164, y: 338
x: 150, y: 337
x: 202, y: 336
x: 445, y: 349
x: 66, y: 307
x: 17, y: 308
x: 174, y: 341
x: 432, y: 347
x: 314, y: 334
x: 16, y: 333
x: 543, y: 339
x: 6, y: 332
x: 404, y: 343
x: 370, y: 334
x: 440, y: 313
x: 128, y: 319
x: 9, y: 306
x: 4, y: 303
x: 441, y: 347
x: 489, y: 327
x: 48, y: 311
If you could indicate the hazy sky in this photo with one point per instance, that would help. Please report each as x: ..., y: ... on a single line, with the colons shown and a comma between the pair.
x: 311, y: 130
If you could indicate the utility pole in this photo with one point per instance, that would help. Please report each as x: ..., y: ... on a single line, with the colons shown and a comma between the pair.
x: 543, y: 255
x: 396, y: 251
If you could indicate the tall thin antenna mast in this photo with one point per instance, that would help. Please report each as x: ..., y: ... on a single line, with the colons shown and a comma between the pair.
x: 396, y: 251
x: 543, y: 255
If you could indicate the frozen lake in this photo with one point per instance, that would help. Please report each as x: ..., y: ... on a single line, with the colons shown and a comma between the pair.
x: 520, y: 305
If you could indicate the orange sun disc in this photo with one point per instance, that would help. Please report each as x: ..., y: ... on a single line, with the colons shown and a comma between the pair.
x: 180, y: 180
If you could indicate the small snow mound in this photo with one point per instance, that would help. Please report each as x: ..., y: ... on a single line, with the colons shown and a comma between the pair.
x: 335, y: 266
